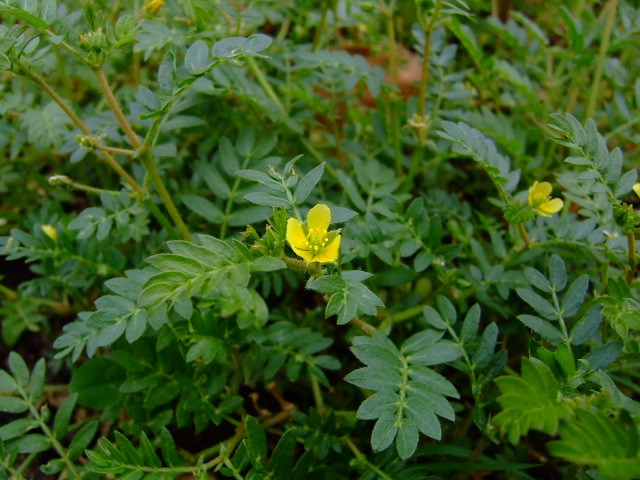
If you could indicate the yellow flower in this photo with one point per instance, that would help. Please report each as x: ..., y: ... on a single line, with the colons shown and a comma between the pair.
x: 152, y: 6
x: 50, y: 232
x: 539, y: 195
x: 636, y: 188
x: 312, y: 241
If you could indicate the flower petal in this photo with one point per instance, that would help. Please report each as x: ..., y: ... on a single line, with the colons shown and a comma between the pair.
x: 552, y: 206
x: 330, y: 252
x: 319, y: 217
x: 295, y: 234
x: 539, y: 192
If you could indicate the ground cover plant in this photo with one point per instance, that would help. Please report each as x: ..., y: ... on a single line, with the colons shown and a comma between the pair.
x: 319, y: 239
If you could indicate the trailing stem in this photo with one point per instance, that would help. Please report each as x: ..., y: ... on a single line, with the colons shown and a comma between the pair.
x: 147, y: 159
x: 111, y: 161
x: 631, y: 241
x: 611, y: 9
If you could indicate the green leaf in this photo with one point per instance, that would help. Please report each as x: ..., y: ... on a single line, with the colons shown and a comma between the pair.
x: 539, y: 304
x: 82, y: 439
x: 97, y: 382
x: 203, y: 207
x: 407, y: 438
x: 13, y: 405
x: 264, y: 198
x: 594, y: 438
x: 148, y: 450
x: 196, y: 60
x: 584, y: 329
x: 281, y: 461
x: 442, y: 352
x: 564, y: 357
x: 26, y: 16
x: 17, y: 428
x: 538, y: 280
x: 7, y: 382
x: 136, y: 325
x: 168, y: 447
x: 572, y: 300
x: 470, y: 324
x: 530, y: 401
x: 213, y: 179
x: 267, y: 264
x: 604, y: 355
x: 447, y: 310
x: 543, y: 328
x: 53, y: 466
x: 36, y: 383
x: 32, y: 443
x: 261, y: 177
x: 256, y: 442
x: 433, y: 318
x: 45, y: 126
x: 19, y: 368
x: 327, y: 284
x: 63, y: 416
x: 384, y: 431
x: 168, y: 262
x: 378, y: 404
x: 557, y: 273
x: 307, y: 184
x: 351, y: 190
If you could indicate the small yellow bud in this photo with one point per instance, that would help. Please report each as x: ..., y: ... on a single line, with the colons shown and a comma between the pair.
x: 152, y: 6
x: 636, y: 188
x: 50, y: 232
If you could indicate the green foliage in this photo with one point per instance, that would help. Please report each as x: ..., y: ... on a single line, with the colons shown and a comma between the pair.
x: 594, y: 438
x: 531, y: 400
x: 408, y: 395
x: 152, y: 156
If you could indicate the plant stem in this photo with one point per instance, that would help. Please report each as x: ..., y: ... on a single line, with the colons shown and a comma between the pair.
x: 393, y: 48
x: 57, y: 180
x: 364, y: 326
x: 318, y: 34
x: 149, y: 164
x: 79, y: 123
x: 424, y: 79
x: 299, y: 264
x: 121, y: 151
x: 407, y: 314
x: 11, y: 294
x: 393, y: 99
x: 147, y: 159
x: 612, y: 8
x: 49, y: 434
x: 525, y: 235
x: 631, y: 241
x: 317, y: 395
x: 115, y: 107
x: 363, y: 459
x: 262, y: 80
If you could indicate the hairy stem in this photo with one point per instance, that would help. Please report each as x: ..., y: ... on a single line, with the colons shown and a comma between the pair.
x: 525, y: 236
x: 147, y: 159
x: 115, y: 107
x: 424, y: 78
x: 318, y: 34
x: 149, y: 164
x: 631, y: 241
x: 79, y: 123
x: 611, y: 9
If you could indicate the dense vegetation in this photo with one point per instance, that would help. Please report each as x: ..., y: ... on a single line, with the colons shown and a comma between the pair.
x: 258, y: 239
